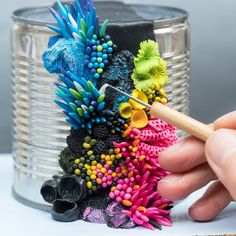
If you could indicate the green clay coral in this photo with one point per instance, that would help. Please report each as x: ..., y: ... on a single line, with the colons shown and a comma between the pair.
x: 148, y: 57
x: 150, y: 72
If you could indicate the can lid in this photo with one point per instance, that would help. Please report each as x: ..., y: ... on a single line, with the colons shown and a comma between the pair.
x: 120, y: 13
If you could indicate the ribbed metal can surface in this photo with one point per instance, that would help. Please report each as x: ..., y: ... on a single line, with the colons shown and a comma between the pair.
x: 39, y: 129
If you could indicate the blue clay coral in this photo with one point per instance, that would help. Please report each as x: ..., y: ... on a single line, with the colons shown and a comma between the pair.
x: 64, y: 53
x: 80, y: 22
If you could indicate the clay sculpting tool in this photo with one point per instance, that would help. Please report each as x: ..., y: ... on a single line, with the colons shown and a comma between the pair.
x: 171, y: 116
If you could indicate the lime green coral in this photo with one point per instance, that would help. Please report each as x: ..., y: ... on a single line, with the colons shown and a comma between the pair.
x: 150, y: 69
x: 148, y: 57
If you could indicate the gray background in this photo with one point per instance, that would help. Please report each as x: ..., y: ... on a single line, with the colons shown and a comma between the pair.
x: 213, y: 53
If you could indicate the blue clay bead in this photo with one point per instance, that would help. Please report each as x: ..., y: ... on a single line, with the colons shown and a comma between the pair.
x: 93, y: 41
x: 104, y: 45
x: 101, y: 65
x: 110, y: 50
x: 106, y: 62
x: 99, y: 54
x: 90, y: 65
x: 96, y: 75
x: 110, y: 43
x: 88, y: 50
x: 93, y: 59
x: 86, y: 62
x: 104, y: 56
x: 98, y: 42
x: 93, y: 71
x: 104, y: 51
x: 94, y: 54
x: 99, y: 59
x: 107, y: 37
x: 95, y: 65
x: 94, y: 48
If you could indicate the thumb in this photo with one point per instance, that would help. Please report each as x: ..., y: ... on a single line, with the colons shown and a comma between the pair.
x: 220, y: 151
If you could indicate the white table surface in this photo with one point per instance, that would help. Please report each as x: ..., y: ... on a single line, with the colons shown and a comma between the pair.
x: 20, y: 220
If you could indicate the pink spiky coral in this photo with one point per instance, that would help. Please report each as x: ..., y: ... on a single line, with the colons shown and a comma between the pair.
x: 141, y: 173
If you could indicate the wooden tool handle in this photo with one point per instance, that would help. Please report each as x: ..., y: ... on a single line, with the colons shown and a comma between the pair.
x: 181, y: 121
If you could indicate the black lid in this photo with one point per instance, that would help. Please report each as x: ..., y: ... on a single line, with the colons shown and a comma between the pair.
x: 113, y: 11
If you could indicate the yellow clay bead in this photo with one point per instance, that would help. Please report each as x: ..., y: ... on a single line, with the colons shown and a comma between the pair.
x: 94, y: 172
x: 94, y: 163
x: 89, y: 172
x: 89, y: 184
x: 77, y: 161
x: 113, y: 174
x: 103, y: 156
x: 77, y: 171
x: 107, y: 158
x: 93, y: 177
x: 99, y: 166
x: 88, y: 167
x: 109, y: 163
x: 86, y: 145
x: 103, y: 170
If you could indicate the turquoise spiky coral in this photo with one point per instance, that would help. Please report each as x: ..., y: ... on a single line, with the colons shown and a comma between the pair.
x: 82, y: 102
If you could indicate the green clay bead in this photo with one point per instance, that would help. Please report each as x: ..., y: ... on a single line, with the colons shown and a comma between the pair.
x: 94, y: 188
x: 99, y: 70
x: 87, y: 139
x: 92, y: 158
x: 82, y: 160
x: 86, y: 145
x: 99, y: 48
x: 90, y: 153
x: 81, y: 166
x: 93, y: 141
x: 111, y: 151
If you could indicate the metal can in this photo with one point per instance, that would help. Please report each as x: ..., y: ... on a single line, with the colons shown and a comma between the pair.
x: 39, y: 130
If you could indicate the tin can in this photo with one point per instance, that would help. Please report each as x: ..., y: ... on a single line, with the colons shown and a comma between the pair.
x: 39, y: 130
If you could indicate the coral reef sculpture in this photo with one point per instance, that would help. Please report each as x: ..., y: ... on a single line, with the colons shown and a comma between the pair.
x: 110, y: 164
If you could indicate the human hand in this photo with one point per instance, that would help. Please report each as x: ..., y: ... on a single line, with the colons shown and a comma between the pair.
x: 193, y: 164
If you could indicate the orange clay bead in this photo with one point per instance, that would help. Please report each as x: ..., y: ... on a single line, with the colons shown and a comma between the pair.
x: 113, y: 188
x: 127, y: 203
x: 130, y: 174
x: 136, y: 187
x: 127, y: 132
x: 117, y: 150
x: 119, y: 175
x: 135, y: 149
x: 99, y: 166
x: 143, y: 209
x: 109, y: 163
x: 149, y: 167
x: 132, y: 154
x: 136, y: 142
x: 107, y: 158
x: 141, y: 158
x: 93, y: 168
x: 99, y: 181
x: 130, y: 147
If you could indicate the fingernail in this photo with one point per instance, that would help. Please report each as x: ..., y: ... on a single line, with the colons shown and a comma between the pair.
x: 172, y: 148
x: 170, y: 179
x: 220, y: 145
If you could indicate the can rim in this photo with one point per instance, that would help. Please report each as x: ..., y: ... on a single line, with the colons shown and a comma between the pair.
x: 17, y: 15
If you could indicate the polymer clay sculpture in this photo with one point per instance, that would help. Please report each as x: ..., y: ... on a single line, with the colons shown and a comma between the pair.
x: 110, y: 165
